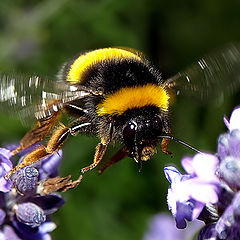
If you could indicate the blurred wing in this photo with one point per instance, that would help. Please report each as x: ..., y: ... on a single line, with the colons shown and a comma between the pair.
x: 213, y: 76
x: 34, y: 97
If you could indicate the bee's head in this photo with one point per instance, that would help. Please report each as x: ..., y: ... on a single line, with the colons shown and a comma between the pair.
x: 140, y: 136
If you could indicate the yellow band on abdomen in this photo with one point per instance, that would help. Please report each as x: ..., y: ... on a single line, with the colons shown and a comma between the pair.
x: 82, y: 63
x: 134, y: 97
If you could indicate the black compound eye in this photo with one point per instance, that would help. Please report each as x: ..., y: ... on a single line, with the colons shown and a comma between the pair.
x: 129, y: 132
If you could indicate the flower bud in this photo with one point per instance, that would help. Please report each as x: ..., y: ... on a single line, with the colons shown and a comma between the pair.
x: 229, y: 171
x: 25, y: 180
x: 223, y: 145
x: 30, y: 214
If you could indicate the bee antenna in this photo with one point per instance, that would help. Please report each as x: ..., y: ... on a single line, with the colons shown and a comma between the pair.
x: 181, y: 142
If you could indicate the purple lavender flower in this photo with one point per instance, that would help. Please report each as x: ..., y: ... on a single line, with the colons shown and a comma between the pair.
x: 211, y: 187
x: 229, y: 151
x: 25, y: 180
x: 190, y: 193
x: 234, y: 122
x: 5, y: 167
x: 30, y: 214
x: 162, y: 226
x: 49, y: 165
x: 24, y: 212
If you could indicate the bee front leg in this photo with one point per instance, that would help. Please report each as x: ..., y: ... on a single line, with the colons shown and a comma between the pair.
x: 100, y: 151
x: 164, y: 146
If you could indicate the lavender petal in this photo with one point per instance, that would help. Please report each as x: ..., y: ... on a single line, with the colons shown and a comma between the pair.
x: 196, y: 166
x: 5, y: 185
x: 9, y: 233
x: 201, y: 191
x: 49, y: 203
x: 28, y: 233
x: 50, y: 164
x: 47, y: 227
x: 172, y: 174
x: 234, y: 122
x: 184, y: 212
x: 162, y: 226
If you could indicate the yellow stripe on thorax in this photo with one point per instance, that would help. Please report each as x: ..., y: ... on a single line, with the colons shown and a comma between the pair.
x: 134, y: 97
x: 84, y: 61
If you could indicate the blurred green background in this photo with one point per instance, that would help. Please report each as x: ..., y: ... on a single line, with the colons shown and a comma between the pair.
x: 38, y: 36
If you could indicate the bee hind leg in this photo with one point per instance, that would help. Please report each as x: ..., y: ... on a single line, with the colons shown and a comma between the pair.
x: 42, y: 129
x: 54, y: 144
x: 116, y: 158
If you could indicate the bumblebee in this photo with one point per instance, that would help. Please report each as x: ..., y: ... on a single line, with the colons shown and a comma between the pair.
x: 115, y: 94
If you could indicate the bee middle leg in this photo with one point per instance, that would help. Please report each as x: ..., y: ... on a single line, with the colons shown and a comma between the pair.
x: 101, y: 148
x: 99, y: 153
